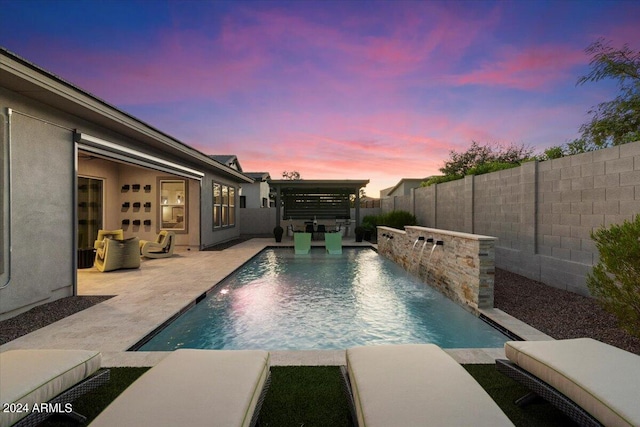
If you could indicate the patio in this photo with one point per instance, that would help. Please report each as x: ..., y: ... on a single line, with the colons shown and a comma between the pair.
x: 147, y: 297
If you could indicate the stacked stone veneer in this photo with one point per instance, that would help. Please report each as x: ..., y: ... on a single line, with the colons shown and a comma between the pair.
x: 541, y: 212
x: 462, y: 268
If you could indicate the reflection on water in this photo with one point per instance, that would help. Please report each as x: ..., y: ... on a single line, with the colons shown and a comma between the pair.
x: 282, y: 301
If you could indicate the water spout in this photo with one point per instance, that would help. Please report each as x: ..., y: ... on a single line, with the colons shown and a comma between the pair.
x: 416, y: 242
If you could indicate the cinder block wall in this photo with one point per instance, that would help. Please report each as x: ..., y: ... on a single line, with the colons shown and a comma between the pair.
x: 462, y: 267
x: 541, y: 212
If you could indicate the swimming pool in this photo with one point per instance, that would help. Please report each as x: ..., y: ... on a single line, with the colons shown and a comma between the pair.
x: 282, y: 301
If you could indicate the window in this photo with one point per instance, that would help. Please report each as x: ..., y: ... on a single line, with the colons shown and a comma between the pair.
x: 90, y: 196
x: 173, y: 204
x: 224, y: 206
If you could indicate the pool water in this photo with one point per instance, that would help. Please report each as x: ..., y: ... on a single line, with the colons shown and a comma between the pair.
x: 283, y: 301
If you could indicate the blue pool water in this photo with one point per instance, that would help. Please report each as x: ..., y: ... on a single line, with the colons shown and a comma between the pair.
x: 282, y: 301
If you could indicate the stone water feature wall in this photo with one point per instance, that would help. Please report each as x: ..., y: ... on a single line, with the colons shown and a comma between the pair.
x: 463, y: 267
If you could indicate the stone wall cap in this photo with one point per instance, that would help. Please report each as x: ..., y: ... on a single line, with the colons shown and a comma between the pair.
x: 451, y: 233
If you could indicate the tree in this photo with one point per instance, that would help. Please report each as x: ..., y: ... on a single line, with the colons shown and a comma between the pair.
x: 618, y: 121
x: 460, y: 164
x: 291, y: 175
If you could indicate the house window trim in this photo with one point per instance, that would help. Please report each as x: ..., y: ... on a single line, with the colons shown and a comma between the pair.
x: 226, y: 208
x: 184, y: 205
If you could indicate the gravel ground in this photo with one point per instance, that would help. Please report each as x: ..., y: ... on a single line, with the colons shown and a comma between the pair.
x: 557, y: 313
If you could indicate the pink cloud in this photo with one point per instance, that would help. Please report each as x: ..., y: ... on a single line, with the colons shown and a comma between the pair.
x: 535, y: 68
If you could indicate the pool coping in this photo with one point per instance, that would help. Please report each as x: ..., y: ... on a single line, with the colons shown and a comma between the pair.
x: 147, y: 297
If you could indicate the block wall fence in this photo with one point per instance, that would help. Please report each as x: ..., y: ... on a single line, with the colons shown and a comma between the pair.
x: 541, y: 212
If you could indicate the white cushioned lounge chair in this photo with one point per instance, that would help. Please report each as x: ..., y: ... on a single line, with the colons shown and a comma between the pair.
x: 194, y: 388
x: 29, y: 377
x: 592, y: 382
x: 415, y: 385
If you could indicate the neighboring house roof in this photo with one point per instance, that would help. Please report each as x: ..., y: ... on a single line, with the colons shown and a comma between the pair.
x: 410, y: 182
x: 230, y: 160
x: 259, y: 176
x: 27, y: 79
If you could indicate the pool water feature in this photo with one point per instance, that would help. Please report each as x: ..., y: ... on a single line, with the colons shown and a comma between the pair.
x: 283, y: 301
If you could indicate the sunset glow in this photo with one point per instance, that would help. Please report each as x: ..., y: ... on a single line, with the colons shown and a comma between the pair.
x: 332, y: 89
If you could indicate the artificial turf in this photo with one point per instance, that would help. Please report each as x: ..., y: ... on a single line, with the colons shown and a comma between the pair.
x: 313, y: 396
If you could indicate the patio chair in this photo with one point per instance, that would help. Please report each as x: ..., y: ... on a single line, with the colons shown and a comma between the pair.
x: 320, y: 232
x: 302, y: 243
x: 117, y: 254
x: 162, y: 247
x: 333, y: 243
x: 108, y: 234
x: 592, y: 382
x: 415, y: 385
x: 55, y: 377
x: 194, y: 388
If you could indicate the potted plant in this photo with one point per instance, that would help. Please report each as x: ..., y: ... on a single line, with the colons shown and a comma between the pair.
x: 278, y: 232
x: 359, y: 233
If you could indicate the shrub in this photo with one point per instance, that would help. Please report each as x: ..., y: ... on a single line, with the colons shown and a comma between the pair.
x: 615, y: 280
x: 440, y: 179
x: 397, y: 219
x: 491, y: 167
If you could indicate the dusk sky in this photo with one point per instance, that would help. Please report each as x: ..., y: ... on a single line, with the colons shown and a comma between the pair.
x: 332, y: 89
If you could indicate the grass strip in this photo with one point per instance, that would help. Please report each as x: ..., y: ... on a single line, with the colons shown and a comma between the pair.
x: 313, y: 396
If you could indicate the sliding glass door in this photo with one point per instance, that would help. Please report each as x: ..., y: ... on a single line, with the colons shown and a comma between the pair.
x: 90, y: 196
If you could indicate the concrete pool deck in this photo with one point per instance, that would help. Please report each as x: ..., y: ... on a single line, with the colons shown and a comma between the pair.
x: 145, y: 298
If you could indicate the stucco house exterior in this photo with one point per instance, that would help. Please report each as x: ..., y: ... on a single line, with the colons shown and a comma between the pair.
x: 402, y: 188
x: 256, y: 195
x: 73, y: 164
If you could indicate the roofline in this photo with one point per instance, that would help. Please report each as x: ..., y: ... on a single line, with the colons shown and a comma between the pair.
x: 47, y: 81
x: 320, y: 182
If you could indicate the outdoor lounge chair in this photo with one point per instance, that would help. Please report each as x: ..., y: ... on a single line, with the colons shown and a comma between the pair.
x: 117, y: 254
x: 51, y: 377
x: 592, y: 382
x: 415, y: 385
x: 333, y: 243
x: 162, y: 247
x: 108, y: 234
x: 194, y: 388
x: 302, y: 243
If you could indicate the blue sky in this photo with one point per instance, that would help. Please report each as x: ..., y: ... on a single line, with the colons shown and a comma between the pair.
x: 333, y: 89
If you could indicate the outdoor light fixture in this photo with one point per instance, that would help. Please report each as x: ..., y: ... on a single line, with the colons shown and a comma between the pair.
x: 147, y: 222
x: 136, y: 205
x: 147, y: 187
x: 125, y: 222
x: 125, y: 205
x: 136, y: 222
x: 136, y: 187
x: 125, y: 187
x: 147, y: 205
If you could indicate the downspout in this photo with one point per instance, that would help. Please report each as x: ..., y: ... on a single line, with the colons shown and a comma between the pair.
x: 6, y: 232
x: 74, y: 217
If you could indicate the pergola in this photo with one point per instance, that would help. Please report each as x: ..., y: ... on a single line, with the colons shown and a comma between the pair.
x: 321, y: 199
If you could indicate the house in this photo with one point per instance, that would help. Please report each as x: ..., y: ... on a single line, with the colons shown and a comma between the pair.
x: 73, y: 164
x: 402, y: 188
x: 256, y: 195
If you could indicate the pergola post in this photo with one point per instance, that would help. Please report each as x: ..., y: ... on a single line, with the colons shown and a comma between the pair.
x: 357, y: 206
x: 278, y: 206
